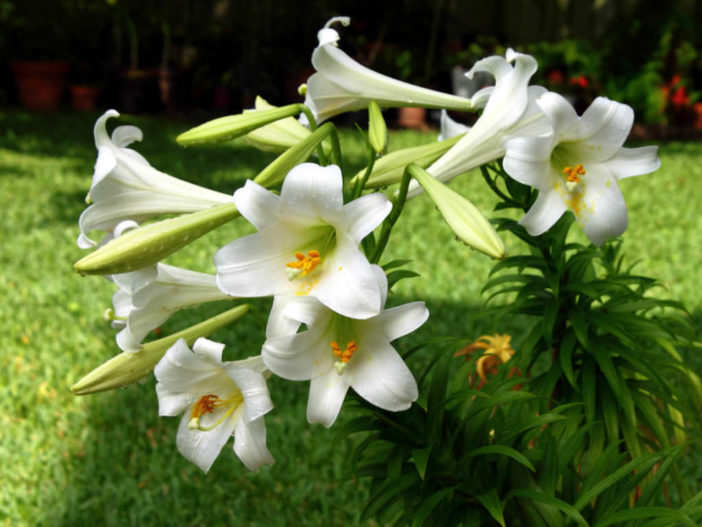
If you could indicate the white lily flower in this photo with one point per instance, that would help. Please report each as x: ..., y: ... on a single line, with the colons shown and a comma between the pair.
x: 509, y: 110
x: 338, y: 352
x: 307, y: 243
x: 217, y: 399
x: 577, y: 166
x: 147, y: 298
x: 126, y: 187
x: 342, y: 85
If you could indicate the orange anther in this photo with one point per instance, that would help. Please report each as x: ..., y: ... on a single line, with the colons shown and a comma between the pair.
x: 573, y: 173
x: 204, y: 405
x: 306, y: 264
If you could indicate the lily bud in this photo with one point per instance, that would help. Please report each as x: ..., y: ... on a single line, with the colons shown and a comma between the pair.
x: 147, y: 245
x: 463, y: 217
x: 377, y: 130
x: 233, y: 126
x: 275, y: 172
x: 277, y: 136
x: 127, y: 368
x: 388, y: 169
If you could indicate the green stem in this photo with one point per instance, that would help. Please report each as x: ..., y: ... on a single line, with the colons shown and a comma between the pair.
x: 392, y: 218
x: 336, y: 147
x: 313, y: 126
x: 358, y: 188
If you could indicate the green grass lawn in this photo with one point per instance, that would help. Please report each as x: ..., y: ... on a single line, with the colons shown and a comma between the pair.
x: 108, y: 459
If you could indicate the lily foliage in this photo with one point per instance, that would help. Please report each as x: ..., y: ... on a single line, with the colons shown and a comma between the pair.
x: 580, y: 420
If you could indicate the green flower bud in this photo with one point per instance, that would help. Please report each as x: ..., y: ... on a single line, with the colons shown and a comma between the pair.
x: 463, y: 217
x: 377, y: 130
x: 143, y: 246
x: 388, y: 169
x: 127, y: 368
x: 233, y: 126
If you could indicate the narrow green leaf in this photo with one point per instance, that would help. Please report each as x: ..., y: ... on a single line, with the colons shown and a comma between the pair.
x: 503, y: 450
x: 491, y: 502
x: 420, y: 458
x: 429, y: 504
x: 646, y: 513
x: 568, y: 510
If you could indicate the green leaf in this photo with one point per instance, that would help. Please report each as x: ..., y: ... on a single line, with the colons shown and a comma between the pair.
x: 642, y: 513
x: 503, y: 451
x: 566, y: 358
x: 396, y: 276
x: 420, y: 458
x: 429, y: 504
x: 568, y: 510
x: 387, y: 493
x: 627, y: 470
x: 491, y: 502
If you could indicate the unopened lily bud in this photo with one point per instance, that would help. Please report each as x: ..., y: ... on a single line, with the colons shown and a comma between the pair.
x: 233, y: 126
x: 463, y: 217
x: 127, y: 368
x: 377, y: 130
x: 277, y: 136
x: 147, y: 245
x: 388, y: 170
x: 275, y: 172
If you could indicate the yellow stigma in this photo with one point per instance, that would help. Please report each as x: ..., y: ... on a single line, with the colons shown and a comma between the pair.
x: 344, y: 356
x: 573, y: 173
x: 305, y: 264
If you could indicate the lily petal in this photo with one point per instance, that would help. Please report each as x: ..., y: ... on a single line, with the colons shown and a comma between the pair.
x: 379, y: 375
x: 259, y: 206
x: 250, y: 444
x: 202, y: 448
x: 327, y: 394
x: 365, y: 214
x: 630, y: 162
x: 545, y: 211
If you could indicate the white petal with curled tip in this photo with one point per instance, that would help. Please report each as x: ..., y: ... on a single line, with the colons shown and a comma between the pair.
x: 545, y: 211
x: 602, y: 212
x: 450, y: 128
x: 606, y: 125
x: 365, y: 214
x: 630, y: 162
x: 327, y: 394
x: 202, y: 448
x: 279, y: 324
x: 252, y: 384
x: 250, y: 444
x: 379, y: 375
x: 528, y: 160
x: 562, y: 116
x: 259, y: 206
x: 350, y: 286
x: 398, y: 321
x: 125, y: 135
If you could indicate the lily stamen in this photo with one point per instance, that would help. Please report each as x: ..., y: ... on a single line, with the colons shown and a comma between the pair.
x: 206, y: 405
x: 573, y: 173
x: 344, y: 356
x: 305, y: 264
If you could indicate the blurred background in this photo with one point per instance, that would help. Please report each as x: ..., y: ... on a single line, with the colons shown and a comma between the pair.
x: 215, y: 56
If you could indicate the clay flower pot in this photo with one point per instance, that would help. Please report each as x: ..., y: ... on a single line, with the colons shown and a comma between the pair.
x: 84, y: 96
x: 40, y: 85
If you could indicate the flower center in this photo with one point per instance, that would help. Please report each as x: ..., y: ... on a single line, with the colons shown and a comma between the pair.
x: 303, y: 265
x: 206, y: 405
x: 573, y: 175
x: 344, y: 356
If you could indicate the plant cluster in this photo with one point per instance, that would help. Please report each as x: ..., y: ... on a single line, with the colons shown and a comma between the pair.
x: 581, y: 422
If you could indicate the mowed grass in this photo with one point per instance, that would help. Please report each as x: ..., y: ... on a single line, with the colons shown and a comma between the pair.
x: 108, y: 459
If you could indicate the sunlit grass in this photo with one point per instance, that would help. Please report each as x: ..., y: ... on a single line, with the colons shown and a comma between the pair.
x: 109, y: 459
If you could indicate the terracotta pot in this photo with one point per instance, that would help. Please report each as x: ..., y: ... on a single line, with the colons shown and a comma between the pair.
x: 83, y: 96
x: 40, y: 85
x: 415, y: 118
